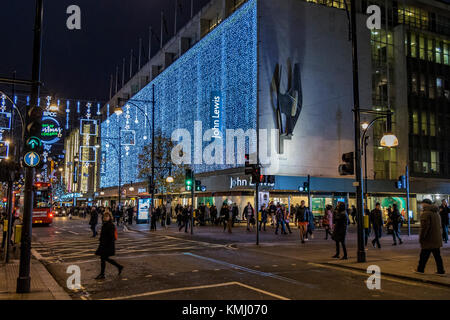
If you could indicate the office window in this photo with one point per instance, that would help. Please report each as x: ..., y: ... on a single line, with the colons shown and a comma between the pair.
x: 415, y: 122
x: 422, y: 84
x: 446, y: 52
x: 432, y: 125
x: 434, y: 162
x: 439, y: 87
x: 414, y: 83
x: 424, y: 123
x: 430, y: 51
x: 438, y: 52
x: 422, y: 47
x: 413, y: 45
x: 431, y: 87
x: 417, y: 167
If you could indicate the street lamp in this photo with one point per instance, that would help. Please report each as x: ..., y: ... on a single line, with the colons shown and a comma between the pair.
x: 118, y: 110
x: 169, y: 179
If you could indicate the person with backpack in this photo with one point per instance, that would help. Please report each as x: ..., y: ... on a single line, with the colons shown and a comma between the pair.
x: 396, y: 220
x: 106, y: 248
x: 376, y: 223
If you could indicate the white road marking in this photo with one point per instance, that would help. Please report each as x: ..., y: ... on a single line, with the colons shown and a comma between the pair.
x: 234, y: 283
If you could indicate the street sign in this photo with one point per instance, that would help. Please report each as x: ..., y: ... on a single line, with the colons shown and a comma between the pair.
x: 33, y: 143
x: 32, y: 159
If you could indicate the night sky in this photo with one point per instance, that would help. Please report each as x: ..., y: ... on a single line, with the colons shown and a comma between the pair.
x: 77, y: 64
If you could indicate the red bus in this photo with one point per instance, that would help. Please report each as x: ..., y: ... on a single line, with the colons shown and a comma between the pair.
x: 42, y: 205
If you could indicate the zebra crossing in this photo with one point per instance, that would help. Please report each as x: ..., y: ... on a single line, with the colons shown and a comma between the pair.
x: 81, y: 248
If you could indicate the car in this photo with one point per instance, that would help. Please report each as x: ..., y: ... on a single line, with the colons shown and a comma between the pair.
x: 60, y: 212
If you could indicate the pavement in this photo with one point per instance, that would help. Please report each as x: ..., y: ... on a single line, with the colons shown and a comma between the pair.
x: 43, y: 285
x: 214, y: 265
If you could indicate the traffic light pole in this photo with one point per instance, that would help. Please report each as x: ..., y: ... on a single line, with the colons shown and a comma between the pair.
x: 407, y: 200
x: 24, y: 279
x: 309, y: 193
x: 361, y: 254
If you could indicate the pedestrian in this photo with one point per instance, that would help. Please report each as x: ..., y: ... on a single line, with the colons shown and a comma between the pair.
x: 272, y: 211
x: 263, y: 217
x: 168, y: 213
x: 106, y: 248
x: 286, y: 217
x: 430, y: 237
x: 301, y: 219
x: 130, y: 212
x: 353, y: 214
x: 186, y: 215
x: 249, y: 215
x: 340, y: 223
x: 213, y: 212
x: 327, y: 221
x: 235, y: 213
x: 93, y: 221
x: 226, y: 217
x: 396, y: 221
x: 444, y: 212
x: 153, y: 218
x: 311, y: 223
x: 280, y: 220
x: 376, y: 223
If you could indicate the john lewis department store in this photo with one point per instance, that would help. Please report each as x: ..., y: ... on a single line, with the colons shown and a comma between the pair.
x: 296, y: 81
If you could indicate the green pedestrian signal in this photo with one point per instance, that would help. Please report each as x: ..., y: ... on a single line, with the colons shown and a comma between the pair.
x: 188, y: 180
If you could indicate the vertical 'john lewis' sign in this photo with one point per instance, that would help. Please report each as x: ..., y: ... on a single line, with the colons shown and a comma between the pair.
x: 216, y: 114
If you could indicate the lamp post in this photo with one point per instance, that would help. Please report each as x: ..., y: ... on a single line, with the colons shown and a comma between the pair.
x: 133, y: 102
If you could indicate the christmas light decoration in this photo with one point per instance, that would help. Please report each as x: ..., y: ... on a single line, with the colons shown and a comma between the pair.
x: 223, y: 61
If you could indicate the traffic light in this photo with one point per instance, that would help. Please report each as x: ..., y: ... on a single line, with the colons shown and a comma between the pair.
x: 252, y: 170
x: 306, y: 186
x: 198, y: 185
x: 33, y: 144
x: 348, y: 168
x: 401, y: 183
x: 248, y: 166
x: 188, y: 180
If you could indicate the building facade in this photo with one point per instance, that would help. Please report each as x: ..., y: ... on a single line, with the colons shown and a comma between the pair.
x: 285, y: 67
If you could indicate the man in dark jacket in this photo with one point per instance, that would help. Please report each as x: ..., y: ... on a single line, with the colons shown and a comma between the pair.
x: 444, y: 212
x: 106, y: 248
x: 430, y: 237
x: 376, y: 223
x: 396, y: 220
x: 340, y: 223
x: 130, y: 212
x: 93, y: 221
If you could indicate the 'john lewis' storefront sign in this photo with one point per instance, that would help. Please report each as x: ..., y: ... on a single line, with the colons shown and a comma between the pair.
x: 246, y: 182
